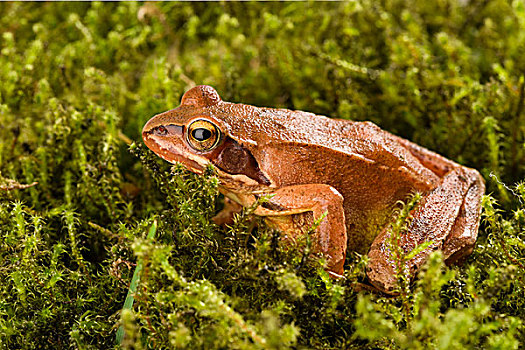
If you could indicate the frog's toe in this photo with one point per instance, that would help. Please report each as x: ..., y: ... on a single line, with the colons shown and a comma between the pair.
x: 381, y: 275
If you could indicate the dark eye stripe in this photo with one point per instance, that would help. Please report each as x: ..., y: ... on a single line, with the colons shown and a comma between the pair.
x: 163, y: 130
x: 174, y: 129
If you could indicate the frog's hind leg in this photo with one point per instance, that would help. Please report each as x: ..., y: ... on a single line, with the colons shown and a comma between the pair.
x: 460, y: 242
x: 447, y: 216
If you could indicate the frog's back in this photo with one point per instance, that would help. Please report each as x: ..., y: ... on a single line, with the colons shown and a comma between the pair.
x: 302, y: 137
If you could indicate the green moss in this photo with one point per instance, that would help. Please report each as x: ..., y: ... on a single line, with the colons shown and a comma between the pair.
x: 79, y: 80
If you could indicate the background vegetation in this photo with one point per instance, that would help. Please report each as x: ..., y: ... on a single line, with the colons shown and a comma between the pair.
x: 78, y: 81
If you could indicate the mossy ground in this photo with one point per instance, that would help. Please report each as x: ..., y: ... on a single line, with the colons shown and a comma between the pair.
x: 79, y: 80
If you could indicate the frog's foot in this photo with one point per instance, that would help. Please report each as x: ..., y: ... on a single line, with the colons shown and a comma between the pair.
x: 448, y: 217
x: 462, y: 238
x: 225, y: 216
x: 320, y: 199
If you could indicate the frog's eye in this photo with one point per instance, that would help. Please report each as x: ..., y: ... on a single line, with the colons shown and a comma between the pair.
x: 203, y: 135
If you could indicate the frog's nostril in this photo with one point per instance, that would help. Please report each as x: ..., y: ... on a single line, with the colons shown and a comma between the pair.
x: 161, y: 130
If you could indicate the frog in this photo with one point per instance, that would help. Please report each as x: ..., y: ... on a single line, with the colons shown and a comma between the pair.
x: 344, y: 176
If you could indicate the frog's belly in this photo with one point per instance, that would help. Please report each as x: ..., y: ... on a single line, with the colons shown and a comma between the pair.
x: 362, y: 230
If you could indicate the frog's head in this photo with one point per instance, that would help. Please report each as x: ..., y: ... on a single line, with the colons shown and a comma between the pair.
x: 197, y: 134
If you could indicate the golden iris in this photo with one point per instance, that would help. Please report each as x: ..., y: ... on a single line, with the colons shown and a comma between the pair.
x: 203, y: 135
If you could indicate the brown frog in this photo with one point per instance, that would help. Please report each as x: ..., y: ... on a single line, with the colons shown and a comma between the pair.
x: 311, y: 165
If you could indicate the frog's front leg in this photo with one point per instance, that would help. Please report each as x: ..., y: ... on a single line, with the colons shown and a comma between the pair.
x: 447, y: 216
x: 320, y: 199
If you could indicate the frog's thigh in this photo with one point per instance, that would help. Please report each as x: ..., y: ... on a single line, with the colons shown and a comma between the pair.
x: 439, y: 219
x: 330, y: 237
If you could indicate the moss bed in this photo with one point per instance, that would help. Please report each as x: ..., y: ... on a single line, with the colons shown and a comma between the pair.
x: 79, y: 192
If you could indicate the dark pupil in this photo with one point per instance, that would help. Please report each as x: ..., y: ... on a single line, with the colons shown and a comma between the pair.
x: 201, y: 134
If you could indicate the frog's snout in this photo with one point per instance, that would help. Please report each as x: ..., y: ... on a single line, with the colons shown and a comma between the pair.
x: 147, y: 128
x: 150, y: 127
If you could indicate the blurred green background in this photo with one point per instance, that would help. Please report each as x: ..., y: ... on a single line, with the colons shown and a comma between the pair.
x: 79, y: 80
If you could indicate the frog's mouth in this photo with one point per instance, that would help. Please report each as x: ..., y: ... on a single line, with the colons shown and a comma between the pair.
x: 171, y: 149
